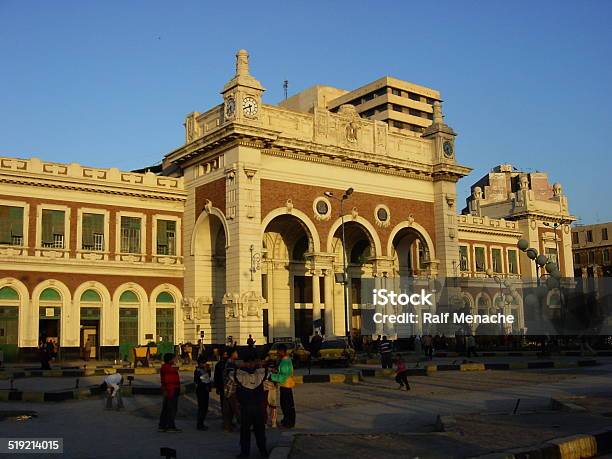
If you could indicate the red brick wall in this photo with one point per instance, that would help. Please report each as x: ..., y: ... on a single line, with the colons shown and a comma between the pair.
x: 74, y: 206
x: 213, y: 191
x: 275, y: 193
x: 72, y: 281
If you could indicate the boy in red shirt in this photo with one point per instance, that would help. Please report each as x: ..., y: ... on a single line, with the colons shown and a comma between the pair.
x: 401, y: 372
x: 171, y: 386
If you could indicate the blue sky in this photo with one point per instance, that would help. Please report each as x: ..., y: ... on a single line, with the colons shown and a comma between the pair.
x: 109, y: 83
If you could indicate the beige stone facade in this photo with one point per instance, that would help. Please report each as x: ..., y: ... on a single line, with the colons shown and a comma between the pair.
x: 255, y: 195
x: 592, y: 248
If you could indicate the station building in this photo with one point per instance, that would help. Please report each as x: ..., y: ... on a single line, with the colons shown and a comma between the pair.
x: 240, y: 230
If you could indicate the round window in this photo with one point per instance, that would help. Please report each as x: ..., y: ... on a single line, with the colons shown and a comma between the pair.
x: 382, y: 214
x: 322, y: 207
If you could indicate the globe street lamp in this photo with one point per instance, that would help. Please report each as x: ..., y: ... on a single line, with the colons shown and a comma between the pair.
x: 539, y: 260
x: 555, y: 225
x: 347, y: 311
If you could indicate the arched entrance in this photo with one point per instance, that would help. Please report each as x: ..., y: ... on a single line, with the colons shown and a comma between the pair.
x: 360, y: 252
x: 206, y: 281
x: 90, y: 314
x: 50, y: 314
x: 287, y: 284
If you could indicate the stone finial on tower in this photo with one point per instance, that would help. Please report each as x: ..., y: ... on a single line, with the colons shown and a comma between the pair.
x: 438, y: 118
x: 242, y: 62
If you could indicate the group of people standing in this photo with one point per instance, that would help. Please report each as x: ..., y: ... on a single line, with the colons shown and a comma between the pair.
x: 249, y: 391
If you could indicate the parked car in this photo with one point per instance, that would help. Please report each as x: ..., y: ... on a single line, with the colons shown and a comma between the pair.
x: 295, y: 350
x: 336, y: 351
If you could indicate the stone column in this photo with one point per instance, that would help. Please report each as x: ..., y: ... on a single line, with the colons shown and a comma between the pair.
x: 316, y: 296
x: 329, y: 302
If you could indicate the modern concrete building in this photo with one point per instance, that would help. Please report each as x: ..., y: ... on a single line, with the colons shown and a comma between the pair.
x: 241, y: 231
x: 592, y: 247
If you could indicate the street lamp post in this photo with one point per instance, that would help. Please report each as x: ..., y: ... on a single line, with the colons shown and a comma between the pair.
x: 347, y: 311
x: 555, y: 225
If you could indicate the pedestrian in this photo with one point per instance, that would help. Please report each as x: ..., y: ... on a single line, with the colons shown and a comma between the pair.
x: 251, y: 343
x: 203, y: 384
x: 218, y: 381
x: 315, y: 344
x: 230, y: 400
x: 284, y: 377
x: 385, y: 352
x: 250, y: 393
x: 401, y: 372
x: 171, y: 386
x: 428, y: 346
x: 112, y: 385
x: 45, y: 357
x: 201, y: 349
x: 87, y: 349
x: 471, y: 346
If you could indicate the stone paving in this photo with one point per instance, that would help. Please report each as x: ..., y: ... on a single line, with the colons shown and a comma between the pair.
x: 373, y: 409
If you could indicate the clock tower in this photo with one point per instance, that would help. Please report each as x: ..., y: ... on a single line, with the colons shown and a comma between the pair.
x: 443, y: 137
x: 242, y: 94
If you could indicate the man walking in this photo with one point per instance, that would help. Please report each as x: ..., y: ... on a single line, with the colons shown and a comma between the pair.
x: 171, y: 386
x: 218, y: 382
x: 471, y: 346
x: 201, y: 378
x: 250, y: 394
x: 284, y: 377
x: 385, y: 353
x: 230, y: 401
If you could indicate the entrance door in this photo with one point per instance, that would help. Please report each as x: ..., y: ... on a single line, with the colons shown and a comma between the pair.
x: 303, y: 324
x: 49, y: 324
x: 90, y: 329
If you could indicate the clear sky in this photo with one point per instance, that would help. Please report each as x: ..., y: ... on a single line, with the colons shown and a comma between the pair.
x: 108, y: 83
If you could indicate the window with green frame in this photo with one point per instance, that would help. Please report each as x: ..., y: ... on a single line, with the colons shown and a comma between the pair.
x: 53, y: 228
x: 166, y: 237
x: 463, y: 258
x: 512, y: 262
x: 496, y: 258
x: 93, y: 232
x: 128, y: 327
x: 164, y: 324
x: 130, y: 234
x: 11, y: 225
x: 479, y: 258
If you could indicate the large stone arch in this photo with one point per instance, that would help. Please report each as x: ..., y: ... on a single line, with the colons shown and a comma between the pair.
x: 366, y: 225
x: 416, y: 227
x: 108, y: 335
x: 144, y: 312
x: 201, y: 222
x: 69, y: 320
x: 302, y: 217
x: 24, y: 338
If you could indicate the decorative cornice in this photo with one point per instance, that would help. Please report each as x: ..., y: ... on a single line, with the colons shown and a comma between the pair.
x: 89, y: 189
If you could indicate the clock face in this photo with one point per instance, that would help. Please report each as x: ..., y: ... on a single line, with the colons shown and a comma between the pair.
x: 249, y: 106
x: 230, y: 107
x: 448, y: 149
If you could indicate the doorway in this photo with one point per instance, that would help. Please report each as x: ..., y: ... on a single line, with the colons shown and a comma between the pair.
x: 49, y: 325
x: 90, y: 331
x: 303, y: 324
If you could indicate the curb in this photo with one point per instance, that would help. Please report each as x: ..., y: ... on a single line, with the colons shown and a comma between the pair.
x: 81, y: 394
x: 477, y: 366
x: 334, y: 378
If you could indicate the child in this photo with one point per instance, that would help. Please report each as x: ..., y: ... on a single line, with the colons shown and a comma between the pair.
x: 201, y: 378
x: 401, y: 373
x: 271, y: 403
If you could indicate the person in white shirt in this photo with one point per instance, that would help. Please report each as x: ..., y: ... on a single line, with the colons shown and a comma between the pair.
x: 112, y: 384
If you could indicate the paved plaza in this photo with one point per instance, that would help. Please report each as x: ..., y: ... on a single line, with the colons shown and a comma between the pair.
x: 369, y: 418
